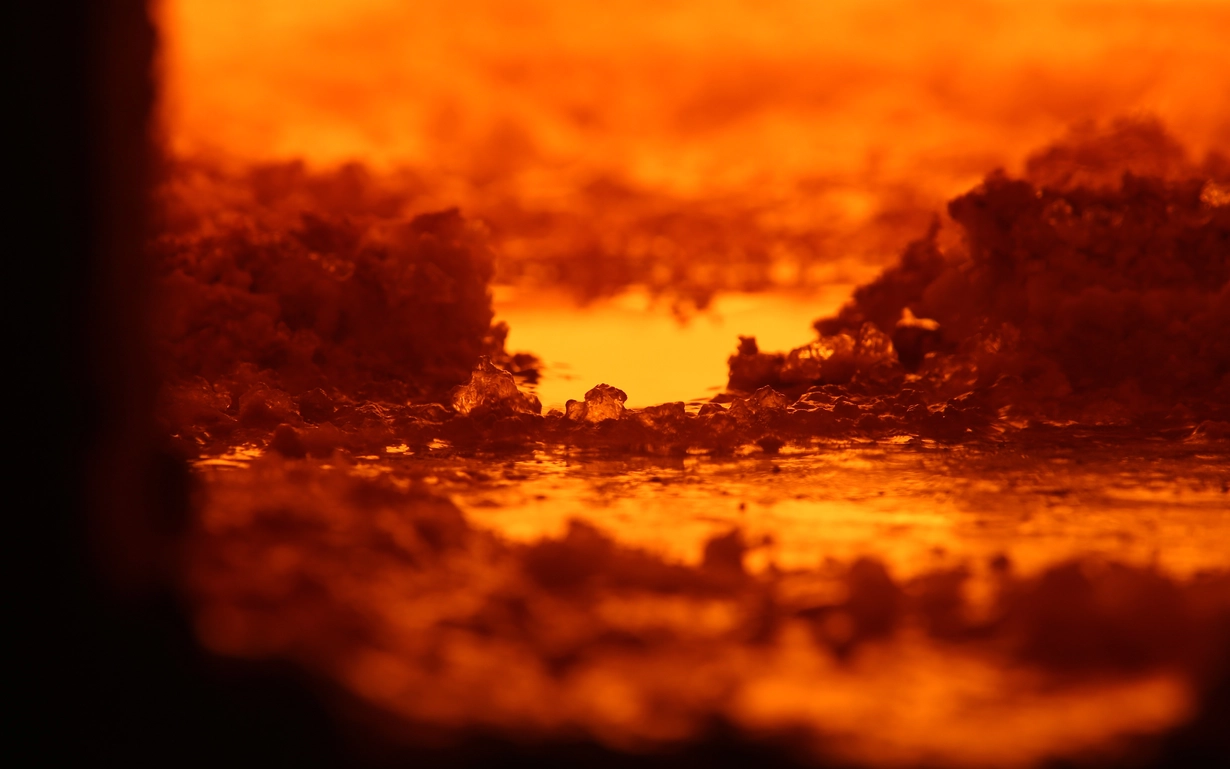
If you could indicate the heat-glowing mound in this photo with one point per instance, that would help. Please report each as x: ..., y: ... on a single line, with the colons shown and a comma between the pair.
x: 1089, y: 291
x: 321, y: 298
x: 285, y: 295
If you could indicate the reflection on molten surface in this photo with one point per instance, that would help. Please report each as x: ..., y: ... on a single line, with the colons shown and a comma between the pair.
x: 1037, y: 599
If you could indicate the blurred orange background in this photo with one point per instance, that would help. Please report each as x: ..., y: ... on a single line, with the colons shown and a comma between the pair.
x: 721, y: 95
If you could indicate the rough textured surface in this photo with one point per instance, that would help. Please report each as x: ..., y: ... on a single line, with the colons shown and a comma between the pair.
x: 1086, y: 287
x: 303, y: 281
x: 1107, y: 267
x: 388, y: 590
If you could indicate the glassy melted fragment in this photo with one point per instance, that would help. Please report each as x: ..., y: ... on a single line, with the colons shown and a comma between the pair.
x: 602, y: 402
x: 492, y: 390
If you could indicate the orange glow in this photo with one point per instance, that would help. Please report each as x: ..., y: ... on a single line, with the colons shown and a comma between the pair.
x: 635, y: 344
x: 709, y: 138
x: 688, y: 96
x: 943, y: 529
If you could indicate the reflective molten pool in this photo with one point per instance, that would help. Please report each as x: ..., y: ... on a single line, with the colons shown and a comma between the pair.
x: 873, y: 602
x: 985, y: 607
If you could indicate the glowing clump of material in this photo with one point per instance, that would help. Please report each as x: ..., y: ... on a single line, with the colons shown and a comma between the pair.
x: 759, y: 405
x: 830, y: 359
x: 1093, y: 291
x: 1107, y: 261
x: 493, y: 390
x: 601, y: 403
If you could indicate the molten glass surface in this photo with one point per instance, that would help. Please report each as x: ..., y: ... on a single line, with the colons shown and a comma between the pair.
x: 1003, y: 615
x: 993, y: 604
